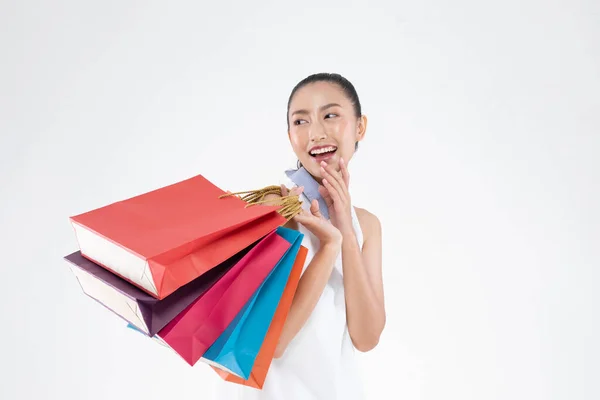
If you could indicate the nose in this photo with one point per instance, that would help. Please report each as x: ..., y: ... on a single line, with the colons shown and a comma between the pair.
x: 317, y: 132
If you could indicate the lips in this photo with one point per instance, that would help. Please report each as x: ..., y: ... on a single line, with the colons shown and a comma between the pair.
x: 323, y: 153
x: 320, y: 151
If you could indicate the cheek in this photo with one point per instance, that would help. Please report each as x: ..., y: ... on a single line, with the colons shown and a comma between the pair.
x: 298, y: 142
x: 344, y: 133
x: 345, y: 128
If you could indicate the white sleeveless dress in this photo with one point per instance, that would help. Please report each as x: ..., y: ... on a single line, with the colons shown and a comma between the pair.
x: 319, y: 362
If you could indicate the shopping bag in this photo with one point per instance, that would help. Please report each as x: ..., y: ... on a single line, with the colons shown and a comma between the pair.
x: 164, y: 239
x: 148, y: 314
x: 265, y: 356
x: 237, y: 347
x: 196, y: 328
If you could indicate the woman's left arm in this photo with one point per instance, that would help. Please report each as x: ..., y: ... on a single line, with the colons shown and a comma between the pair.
x: 363, y: 283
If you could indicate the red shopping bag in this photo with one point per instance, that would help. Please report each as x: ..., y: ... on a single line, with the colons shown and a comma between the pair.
x: 195, y: 329
x: 164, y: 239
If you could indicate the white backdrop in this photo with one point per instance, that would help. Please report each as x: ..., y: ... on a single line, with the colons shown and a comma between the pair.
x: 481, y: 160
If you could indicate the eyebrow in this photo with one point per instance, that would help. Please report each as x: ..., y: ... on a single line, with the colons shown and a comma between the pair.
x: 322, y: 108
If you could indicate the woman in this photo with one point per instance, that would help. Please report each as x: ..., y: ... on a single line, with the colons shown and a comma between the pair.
x: 339, y: 303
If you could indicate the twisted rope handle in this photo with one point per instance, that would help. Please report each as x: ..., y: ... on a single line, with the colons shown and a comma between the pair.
x: 290, y: 205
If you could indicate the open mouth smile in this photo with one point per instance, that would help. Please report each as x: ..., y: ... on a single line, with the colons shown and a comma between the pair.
x: 323, y: 152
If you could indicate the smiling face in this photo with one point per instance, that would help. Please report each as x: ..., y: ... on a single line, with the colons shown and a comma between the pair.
x: 323, y: 126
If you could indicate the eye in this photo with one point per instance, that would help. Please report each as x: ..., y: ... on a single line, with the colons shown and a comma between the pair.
x: 299, y: 122
x: 331, y: 115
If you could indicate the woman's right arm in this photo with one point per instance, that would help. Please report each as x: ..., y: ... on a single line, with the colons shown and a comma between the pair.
x: 315, y: 276
x: 307, y: 295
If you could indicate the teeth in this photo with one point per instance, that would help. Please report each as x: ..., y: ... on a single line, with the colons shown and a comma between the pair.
x: 322, y: 150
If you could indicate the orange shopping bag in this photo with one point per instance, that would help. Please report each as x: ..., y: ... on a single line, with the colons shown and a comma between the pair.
x: 267, y: 350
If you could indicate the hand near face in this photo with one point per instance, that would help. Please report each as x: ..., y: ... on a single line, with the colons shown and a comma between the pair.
x: 337, y: 197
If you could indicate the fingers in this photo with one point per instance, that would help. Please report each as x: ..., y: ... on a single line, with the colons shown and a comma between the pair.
x: 333, y: 192
x: 336, y: 183
x: 325, y: 195
x: 314, y: 209
x: 296, y: 191
x: 305, y: 218
x: 302, y: 220
x: 345, y: 173
x: 334, y: 177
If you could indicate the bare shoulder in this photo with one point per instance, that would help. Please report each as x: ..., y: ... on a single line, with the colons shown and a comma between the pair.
x: 368, y: 221
x: 372, y: 242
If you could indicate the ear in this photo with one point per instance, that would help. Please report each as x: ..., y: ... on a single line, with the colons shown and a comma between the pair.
x: 361, y: 128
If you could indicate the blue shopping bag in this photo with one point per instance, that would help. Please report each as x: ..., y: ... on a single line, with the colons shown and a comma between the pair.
x: 236, y: 349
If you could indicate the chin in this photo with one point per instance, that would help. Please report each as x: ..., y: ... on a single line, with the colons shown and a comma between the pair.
x: 314, y: 171
x: 312, y: 168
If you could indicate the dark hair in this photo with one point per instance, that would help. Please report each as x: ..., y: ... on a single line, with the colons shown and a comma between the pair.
x: 337, y: 79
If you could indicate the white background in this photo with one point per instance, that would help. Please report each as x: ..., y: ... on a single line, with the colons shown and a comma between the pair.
x: 481, y: 160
